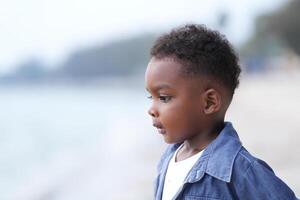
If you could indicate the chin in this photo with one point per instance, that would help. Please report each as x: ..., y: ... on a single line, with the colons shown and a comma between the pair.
x: 172, y: 140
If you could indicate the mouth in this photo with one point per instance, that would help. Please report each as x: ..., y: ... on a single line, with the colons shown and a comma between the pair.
x: 160, y: 128
x: 162, y: 131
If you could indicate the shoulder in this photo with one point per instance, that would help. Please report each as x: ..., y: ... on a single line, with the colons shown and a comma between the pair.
x: 246, y: 165
x: 244, y: 161
x: 252, y: 177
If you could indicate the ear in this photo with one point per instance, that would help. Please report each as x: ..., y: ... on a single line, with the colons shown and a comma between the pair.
x: 212, y: 101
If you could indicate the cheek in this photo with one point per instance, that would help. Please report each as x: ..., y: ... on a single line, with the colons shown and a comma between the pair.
x: 182, y: 115
x: 175, y: 115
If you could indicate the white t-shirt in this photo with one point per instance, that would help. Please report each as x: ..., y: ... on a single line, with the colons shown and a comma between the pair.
x: 176, y: 173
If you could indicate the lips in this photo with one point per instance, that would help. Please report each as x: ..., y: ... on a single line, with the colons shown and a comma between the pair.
x: 159, y: 127
x: 162, y: 131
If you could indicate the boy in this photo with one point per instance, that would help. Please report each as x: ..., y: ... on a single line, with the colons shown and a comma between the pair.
x: 192, y: 76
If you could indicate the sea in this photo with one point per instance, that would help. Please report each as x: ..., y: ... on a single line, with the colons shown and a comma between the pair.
x: 76, y: 142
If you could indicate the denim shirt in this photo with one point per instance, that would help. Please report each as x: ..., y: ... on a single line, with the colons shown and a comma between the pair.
x: 225, y: 170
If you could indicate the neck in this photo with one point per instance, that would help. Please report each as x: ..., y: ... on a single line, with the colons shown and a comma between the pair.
x: 200, y: 141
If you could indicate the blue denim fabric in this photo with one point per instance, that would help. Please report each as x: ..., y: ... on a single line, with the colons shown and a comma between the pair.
x: 226, y: 170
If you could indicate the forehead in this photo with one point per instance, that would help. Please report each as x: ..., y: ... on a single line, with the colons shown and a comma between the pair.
x: 165, y: 73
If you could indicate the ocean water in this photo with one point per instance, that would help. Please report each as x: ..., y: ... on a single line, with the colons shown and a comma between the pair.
x: 75, y: 143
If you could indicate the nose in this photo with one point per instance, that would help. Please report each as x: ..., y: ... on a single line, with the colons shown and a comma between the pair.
x: 153, y: 112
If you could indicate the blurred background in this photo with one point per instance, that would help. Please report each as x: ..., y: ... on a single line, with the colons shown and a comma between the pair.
x: 73, y: 108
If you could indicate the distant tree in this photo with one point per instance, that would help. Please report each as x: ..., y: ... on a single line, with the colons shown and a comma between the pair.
x: 263, y: 43
x: 222, y: 20
x: 274, y: 31
x: 32, y: 69
x: 123, y: 57
x: 285, y: 24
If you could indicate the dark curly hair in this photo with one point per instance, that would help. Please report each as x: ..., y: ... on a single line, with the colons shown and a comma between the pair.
x: 202, y: 52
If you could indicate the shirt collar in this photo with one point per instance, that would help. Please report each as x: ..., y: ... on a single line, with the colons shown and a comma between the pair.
x: 218, y: 158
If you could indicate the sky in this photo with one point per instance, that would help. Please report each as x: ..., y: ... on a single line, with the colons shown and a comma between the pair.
x: 52, y: 29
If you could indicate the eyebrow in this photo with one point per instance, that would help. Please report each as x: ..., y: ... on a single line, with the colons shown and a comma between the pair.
x: 161, y: 86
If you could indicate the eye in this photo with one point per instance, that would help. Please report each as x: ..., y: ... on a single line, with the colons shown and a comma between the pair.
x: 149, y: 97
x: 165, y: 99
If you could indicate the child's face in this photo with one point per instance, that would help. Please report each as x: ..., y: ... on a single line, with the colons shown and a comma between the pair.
x: 177, y: 101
